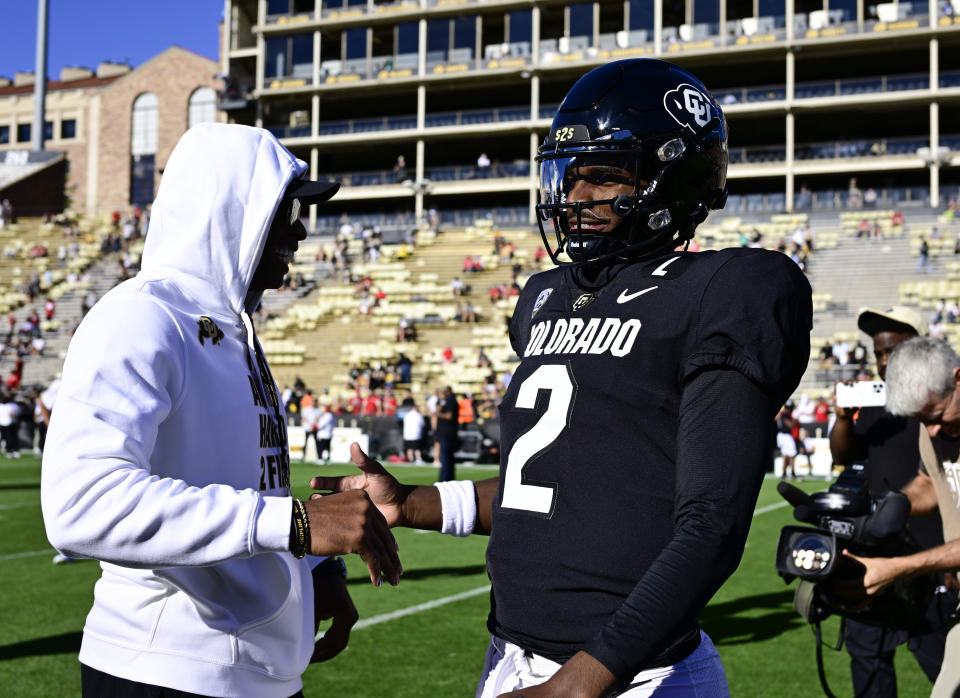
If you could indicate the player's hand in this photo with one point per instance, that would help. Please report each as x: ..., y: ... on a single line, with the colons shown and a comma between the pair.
x: 382, y: 487
x: 350, y: 523
x: 581, y: 677
x: 331, y: 600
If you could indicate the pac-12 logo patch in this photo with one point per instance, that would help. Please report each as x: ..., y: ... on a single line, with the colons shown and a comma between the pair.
x: 541, y: 299
x: 688, y: 106
x: 208, y: 329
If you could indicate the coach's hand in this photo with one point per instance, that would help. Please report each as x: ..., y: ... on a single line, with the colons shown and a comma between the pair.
x: 350, y: 523
x: 581, y: 677
x: 331, y: 600
x: 382, y: 487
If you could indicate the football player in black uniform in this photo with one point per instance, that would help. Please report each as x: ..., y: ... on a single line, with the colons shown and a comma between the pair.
x: 634, y: 433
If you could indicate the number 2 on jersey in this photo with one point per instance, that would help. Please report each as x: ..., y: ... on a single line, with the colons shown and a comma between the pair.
x: 556, y: 379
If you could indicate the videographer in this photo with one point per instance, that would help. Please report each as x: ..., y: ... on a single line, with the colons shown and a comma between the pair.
x: 922, y: 382
x: 887, y: 444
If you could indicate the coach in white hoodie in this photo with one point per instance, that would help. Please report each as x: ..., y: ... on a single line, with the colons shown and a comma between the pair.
x: 167, y: 457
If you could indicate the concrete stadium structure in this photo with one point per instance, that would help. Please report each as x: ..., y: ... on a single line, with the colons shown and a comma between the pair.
x: 817, y: 92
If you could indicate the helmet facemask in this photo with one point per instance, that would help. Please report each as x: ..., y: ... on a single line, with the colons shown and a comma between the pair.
x: 633, y: 176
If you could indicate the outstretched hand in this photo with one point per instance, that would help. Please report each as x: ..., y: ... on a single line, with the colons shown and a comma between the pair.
x: 383, y: 488
x: 350, y: 523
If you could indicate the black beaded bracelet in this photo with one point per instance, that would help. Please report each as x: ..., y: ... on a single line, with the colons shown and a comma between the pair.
x: 299, y: 530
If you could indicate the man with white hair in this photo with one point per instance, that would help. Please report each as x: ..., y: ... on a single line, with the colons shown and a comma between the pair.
x: 887, y: 445
x: 923, y: 381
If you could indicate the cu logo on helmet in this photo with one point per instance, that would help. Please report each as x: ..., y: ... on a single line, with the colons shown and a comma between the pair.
x: 686, y: 103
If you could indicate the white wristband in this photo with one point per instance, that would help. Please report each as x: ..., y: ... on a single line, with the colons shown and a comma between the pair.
x: 458, y: 504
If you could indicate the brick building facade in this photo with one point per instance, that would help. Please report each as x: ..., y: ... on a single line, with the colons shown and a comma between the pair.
x: 90, y: 120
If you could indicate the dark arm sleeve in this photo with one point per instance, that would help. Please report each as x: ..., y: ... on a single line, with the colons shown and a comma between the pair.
x: 725, y: 425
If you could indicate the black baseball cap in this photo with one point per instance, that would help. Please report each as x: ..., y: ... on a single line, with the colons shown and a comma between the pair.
x: 309, y: 191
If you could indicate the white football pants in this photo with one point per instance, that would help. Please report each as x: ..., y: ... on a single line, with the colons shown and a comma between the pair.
x: 699, y: 675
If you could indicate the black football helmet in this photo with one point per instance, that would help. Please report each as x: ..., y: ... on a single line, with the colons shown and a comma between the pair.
x: 655, y: 121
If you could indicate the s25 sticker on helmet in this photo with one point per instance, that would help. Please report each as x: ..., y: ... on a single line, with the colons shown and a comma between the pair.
x: 688, y: 106
x: 562, y: 134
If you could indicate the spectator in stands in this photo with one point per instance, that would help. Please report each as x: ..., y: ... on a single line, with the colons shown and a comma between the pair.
x: 483, y: 166
x: 9, y: 423
x: 870, y: 198
x: 404, y: 368
x: 854, y: 195
x: 448, y: 418
x: 798, y: 236
x: 372, y: 405
x: 49, y: 308
x: 863, y: 228
x: 325, y: 426
x: 821, y: 416
x: 804, y: 410
x: 786, y: 442
x: 400, y: 335
x: 389, y: 400
x: 447, y: 354
x: 896, y: 220
x: 44, y: 406
x: 889, y: 447
x: 400, y: 169
x: 841, y: 352
x: 465, y: 409
x: 16, y: 374
x: 310, y: 418
x: 456, y: 287
x: 858, y: 355
x: 935, y: 329
x: 89, y: 299
x: 924, y: 263
x: 6, y: 213
x: 414, y: 426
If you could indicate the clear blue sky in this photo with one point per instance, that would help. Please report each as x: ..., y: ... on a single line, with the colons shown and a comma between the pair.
x: 85, y: 32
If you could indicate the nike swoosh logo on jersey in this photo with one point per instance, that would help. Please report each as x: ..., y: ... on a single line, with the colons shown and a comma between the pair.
x: 625, y: 297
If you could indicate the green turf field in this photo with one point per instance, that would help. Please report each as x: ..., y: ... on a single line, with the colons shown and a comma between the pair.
x: 437, y: 648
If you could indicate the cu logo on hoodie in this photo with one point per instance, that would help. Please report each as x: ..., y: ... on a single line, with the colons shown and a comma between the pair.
x: 208, y: 329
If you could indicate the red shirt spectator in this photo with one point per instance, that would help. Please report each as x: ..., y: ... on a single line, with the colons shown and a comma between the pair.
x: 821, y: 414
x: 355, y: 404
x: 371, y: 406
x: 448, y: 354
x: 390, y: 405
x: 49, y: 308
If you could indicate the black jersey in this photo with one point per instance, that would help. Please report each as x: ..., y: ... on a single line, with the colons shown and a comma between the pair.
x: 589, y: 423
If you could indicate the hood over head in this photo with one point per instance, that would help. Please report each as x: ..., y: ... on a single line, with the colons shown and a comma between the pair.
x: 220, y: 190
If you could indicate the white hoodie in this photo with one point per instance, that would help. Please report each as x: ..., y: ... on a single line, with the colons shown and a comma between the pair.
x: 166, y: 459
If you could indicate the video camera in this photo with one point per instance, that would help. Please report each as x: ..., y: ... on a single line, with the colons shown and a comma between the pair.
x: 845, y: 517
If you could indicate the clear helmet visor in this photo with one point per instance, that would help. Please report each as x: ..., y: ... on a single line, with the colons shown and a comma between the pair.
x: 588, y: 180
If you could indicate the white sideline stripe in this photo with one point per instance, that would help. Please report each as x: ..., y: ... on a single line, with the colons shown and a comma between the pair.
x: 771, y: 507
x: 420, y: 607
x: 32, y: 553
